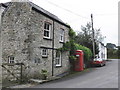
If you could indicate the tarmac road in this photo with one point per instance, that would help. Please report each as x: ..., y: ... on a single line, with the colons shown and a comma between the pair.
x: 98, y: 77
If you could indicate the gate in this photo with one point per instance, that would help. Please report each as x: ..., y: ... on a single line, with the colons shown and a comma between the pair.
x: 12, y: 71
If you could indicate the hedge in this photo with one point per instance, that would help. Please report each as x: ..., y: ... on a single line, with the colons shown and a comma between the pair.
x: 87, y: 52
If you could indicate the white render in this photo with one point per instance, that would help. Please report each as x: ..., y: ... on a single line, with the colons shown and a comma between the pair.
x: 102, y: 51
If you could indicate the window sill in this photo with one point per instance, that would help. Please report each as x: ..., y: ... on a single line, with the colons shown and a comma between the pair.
x: 47, y: 38
x: 61, y: 42
x: 44, y: 56
x: 10, y: 64
x: 57, y: 66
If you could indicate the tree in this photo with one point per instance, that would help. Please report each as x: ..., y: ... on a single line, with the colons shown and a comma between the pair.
x: 118, y: 53
x: 85, y: 37
x: 113, y: 51
x: 111, y: 46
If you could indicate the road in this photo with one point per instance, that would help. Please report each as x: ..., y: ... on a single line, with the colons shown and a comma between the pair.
x: 98, y: 77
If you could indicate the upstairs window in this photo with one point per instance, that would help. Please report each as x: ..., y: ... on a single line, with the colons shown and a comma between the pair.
x: 61, y: 35
x: 11, y: 59
x: 44, y: 52
x: 47, y: 29
x: 58, y: 58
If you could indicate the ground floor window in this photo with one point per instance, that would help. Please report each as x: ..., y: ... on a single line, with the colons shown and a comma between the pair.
x: 58, y: 59
x: 11, y: 59
x: 37, y: 60
x: 44, y: 52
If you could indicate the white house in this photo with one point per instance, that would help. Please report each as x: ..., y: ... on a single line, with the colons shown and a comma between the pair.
x: 102, y: 51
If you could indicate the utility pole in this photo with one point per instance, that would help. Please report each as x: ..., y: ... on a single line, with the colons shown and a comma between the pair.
x: 93, y: 34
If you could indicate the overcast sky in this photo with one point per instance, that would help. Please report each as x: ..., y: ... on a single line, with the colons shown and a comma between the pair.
x: 77, y: 13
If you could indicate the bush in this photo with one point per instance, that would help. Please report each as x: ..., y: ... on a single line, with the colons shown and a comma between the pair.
x: 87, y: 52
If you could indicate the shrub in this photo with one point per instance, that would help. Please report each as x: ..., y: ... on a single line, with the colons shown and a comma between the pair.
x: 87, y: 52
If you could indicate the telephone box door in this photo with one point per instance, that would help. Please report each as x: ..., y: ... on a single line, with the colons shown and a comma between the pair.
x: 79, y: 64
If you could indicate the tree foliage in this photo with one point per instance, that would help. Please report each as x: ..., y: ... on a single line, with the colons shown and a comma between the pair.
x: 118, y: 53
x: 87, y: 51
x: 113, y: 53
x: 85, y: 37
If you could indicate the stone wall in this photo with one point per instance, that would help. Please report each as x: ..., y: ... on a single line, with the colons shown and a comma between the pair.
x: 15, y: 31
x: 1, y: 11
x: 57, y: 44
x: 22, y: 37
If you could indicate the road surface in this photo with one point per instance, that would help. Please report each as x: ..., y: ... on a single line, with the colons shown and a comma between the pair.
x: 98, y: 77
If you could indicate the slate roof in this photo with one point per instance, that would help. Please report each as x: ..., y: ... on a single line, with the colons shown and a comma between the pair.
x: 40, y: 10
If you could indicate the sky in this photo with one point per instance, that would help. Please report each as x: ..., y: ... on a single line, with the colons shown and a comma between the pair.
x: 77, y: 13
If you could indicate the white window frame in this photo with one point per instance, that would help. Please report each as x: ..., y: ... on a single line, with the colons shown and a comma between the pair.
x: 44, y: 52
x: 11, y: 59
x: 47, y: 30
x: 61, y: 35
x: 58, y: 59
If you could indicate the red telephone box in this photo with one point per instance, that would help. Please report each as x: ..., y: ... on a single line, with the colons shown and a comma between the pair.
x: 79, y: 64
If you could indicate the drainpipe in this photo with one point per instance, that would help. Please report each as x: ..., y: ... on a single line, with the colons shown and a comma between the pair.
x: 53, y: 51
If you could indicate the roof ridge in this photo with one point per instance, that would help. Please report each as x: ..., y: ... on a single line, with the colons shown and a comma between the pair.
x: 45, y: 11
x: 40, y: 9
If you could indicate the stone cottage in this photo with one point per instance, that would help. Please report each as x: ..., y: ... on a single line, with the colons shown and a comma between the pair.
x: 32, y: 35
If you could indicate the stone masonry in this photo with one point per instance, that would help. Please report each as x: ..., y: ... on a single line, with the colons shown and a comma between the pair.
x: 22, y: 37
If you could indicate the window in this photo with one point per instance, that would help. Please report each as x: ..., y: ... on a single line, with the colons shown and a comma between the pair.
x: 44, y: 52
x: 37, y: 60
x: 58, y: 58
x: 61, y: 35
x: 47, y: 29
x: 11, y: 59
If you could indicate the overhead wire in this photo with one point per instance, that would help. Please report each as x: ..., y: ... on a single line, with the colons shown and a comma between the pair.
x: 77, y: 13
x: 67, y: 10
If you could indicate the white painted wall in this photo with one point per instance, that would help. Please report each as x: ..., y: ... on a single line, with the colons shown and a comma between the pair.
x: 102, y: 52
